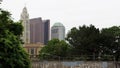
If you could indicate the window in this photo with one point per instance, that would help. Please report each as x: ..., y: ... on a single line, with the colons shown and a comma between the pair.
x: 32, y: 51
x: 54, y: 30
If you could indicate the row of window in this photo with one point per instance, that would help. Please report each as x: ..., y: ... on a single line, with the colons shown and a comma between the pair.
x: 31, y: 51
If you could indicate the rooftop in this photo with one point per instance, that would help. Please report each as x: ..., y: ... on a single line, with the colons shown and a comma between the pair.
x: 58, y: 24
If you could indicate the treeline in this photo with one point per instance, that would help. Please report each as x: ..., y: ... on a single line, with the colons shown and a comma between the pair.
x: 12, y: 54
x: 85, y: 43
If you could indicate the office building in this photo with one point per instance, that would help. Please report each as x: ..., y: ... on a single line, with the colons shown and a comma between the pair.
x: 58, y: 31
x: 26, y: 25
x: 39, y: 30
x: 46, y: 30
x: 36, y: 30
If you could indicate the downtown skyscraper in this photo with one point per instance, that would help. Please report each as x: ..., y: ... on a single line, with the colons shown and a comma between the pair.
x: 26, y: 25
x: 39, y: 30
x: 58, y: 31
x: 46, y: 31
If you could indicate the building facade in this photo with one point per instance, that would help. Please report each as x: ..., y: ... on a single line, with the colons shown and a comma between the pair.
x: 26, y: 25
x: 46, y: 31
x: 58, y: 31
x: 33, y: 49
x: 36, y: 30
x: 39, y: 30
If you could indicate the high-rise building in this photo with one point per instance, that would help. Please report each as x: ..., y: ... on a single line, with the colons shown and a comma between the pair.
x: 39, y: 30
x: 26, y: 25
x: 58, y: 31
x: 46, y: 30
x: 36, y: 30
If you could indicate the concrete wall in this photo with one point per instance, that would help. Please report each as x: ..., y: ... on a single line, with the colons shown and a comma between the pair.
x: 74, y: 64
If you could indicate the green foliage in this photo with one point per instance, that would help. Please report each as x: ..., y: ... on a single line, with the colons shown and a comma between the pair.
x: 84, y: 39
x: 6, y: 23
x: 54, y: 49
x: 12, y: 54
x: 16, y: 28
x: 88, y: 40
x: 110, y: 41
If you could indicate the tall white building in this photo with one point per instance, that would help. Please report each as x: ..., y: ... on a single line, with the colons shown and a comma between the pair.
x: 58, y: 31
x: 26, y: 25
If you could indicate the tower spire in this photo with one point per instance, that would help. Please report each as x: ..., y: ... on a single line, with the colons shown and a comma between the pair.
x: 26, y: 25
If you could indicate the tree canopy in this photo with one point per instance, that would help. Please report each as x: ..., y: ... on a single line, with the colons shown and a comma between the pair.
x: 110, y: 41
x: 84, y: 39
x: 90, y: 41
x: 55, y: 49
x: 12, y: 54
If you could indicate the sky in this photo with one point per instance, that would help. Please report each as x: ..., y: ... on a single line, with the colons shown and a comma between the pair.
x: 71, y: 13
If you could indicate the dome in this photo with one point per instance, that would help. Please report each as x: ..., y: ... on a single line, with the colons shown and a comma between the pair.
x: 58, y: 24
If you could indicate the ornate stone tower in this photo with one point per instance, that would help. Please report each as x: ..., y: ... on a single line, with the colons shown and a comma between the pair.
x: 26, y: 25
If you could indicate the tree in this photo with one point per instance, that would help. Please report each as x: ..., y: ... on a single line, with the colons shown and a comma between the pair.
x: 110, y: 41
x: 55, y: 49
x: 12, y: 54
x: 85, y: 40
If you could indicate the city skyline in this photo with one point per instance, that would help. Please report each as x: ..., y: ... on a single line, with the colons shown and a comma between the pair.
x: 71, y: 13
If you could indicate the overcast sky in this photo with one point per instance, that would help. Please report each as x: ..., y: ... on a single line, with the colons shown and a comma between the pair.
x: 72, y: 13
